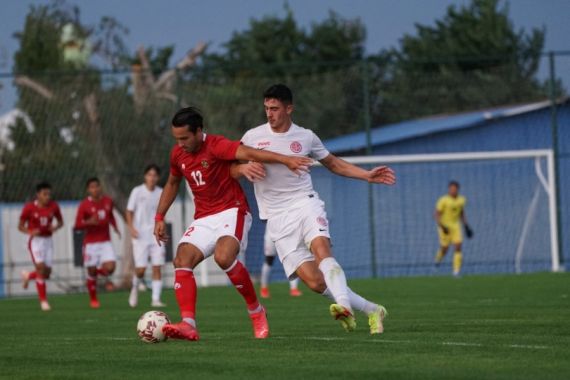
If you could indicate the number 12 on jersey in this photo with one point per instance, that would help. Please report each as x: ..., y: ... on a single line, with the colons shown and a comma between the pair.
x: 197, y: 176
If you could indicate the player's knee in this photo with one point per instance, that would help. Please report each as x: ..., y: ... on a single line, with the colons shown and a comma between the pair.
x: 140, y: 272
x: 269, y: 260
x: 224, y: 261
x: 47, y: 273
x: 316, y: 284
x: 186, y: 258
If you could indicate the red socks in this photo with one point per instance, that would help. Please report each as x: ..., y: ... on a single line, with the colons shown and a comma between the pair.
x: 32, y: 275
x: 102, y: 272
x: 41, y: 287
x: 185, y: 290
x: 92, y: 287
x: 239, y: 276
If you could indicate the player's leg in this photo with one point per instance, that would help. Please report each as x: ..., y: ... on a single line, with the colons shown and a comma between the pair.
x: 91, y: 259
x: 269, y: 252
x: 196, y: 244
x: 226, y: 253
x: 294, y: 288
x: 444, y: 240
x: 108, y: 260
x: 188, y: 256
x: 457, y: 260
x: 140, y: 258
x: 157, y: 256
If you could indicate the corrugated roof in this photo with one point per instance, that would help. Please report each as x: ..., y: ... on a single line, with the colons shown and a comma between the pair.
x: 429, y: 125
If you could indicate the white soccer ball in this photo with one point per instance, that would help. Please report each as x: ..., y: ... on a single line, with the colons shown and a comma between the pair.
x: 149, y: 327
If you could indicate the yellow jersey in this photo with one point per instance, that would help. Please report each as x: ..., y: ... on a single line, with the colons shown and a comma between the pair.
x: 450, y: 209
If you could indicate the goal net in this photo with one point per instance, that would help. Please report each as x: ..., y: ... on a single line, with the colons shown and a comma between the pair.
x: 390, y: 231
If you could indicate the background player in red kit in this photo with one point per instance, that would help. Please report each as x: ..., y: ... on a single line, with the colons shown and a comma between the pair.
x: 36, y: 220
x: 95, y: 215
x: 222, y: 218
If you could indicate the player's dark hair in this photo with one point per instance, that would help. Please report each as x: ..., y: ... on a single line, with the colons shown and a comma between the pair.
x: 91, y: 180
x: 42, y: 186
x: 188, y: 116
x: 453, y: 183
x: 152, y: 167
x: 279, y: 92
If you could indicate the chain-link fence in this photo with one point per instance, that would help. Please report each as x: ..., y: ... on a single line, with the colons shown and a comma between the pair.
x: 68, y: 126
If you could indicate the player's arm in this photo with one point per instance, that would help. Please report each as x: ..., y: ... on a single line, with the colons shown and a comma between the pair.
x: 253, y: 171
x: 296, y: 164
x: 113, y: 221
x: 81, y: 221
x: 129, y: 219
x: 380, y: 174
x: 466, y: 227
x: 168, y: 196
x: 59, y: 220
x: 23, y: 224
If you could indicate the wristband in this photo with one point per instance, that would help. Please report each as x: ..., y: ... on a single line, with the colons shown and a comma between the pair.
x: 159, y: 218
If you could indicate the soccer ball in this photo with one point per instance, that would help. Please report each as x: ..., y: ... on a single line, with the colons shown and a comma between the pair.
x: 149, y: 327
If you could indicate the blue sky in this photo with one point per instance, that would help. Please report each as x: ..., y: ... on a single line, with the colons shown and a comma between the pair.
x: 184, y: 23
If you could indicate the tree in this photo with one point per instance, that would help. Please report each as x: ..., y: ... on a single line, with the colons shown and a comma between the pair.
x: 318, y: 63
x: 471, y: 58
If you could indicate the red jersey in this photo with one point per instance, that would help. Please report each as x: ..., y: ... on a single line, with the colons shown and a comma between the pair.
x: 103, y: 209
x: 208, y: 175
x: 40, y: 218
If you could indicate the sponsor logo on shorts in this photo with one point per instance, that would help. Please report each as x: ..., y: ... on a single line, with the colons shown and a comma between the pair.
x: 296, y: 147
x: 177, y: 286
x: 322, y: 221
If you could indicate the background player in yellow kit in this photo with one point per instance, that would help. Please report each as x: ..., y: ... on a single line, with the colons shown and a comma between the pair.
x: 449, y: 211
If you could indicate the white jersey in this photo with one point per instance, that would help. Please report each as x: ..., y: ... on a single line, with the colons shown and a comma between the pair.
x: 282, y: 189
x: 143, y: 203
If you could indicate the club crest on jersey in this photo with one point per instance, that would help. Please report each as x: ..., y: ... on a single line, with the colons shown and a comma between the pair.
x: 205, y: 164
x: 296, y: 147
x: 322, y: 221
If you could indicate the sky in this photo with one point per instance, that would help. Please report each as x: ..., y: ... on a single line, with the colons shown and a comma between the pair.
x: 184, y: 23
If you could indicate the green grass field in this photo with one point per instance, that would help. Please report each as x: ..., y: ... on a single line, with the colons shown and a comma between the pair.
x: 479, y: 327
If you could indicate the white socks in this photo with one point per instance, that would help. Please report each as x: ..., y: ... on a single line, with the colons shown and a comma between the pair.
x: 156, y: 290
x: 265, y: 273
x: 356, y: 302
x: 135, y: 281
x: 294, y: 284
x: 336, y: 281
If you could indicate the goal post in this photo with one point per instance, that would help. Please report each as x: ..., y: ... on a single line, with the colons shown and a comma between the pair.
x: 511, y: 204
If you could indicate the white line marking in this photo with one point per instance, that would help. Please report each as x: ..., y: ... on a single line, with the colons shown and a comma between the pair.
x: 462, y: 344
x: 527, y: 346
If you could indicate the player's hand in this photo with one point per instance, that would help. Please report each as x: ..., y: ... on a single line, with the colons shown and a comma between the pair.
x: 382, y: 174
x: 444, y: 229
x: 468, y: 231
x: 134, y: 233
x: 299, y: 165
x: 253, y: 171
x: 160, y: 232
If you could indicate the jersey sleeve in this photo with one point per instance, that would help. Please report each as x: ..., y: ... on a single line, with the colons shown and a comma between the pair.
x: 246, y: 139
x: 80, y: 217
x: 132, y: 202
x: 440, y: 205
x: 25, y: 215
x: 318, y: 150
x: 174, y: 169
x: 57, y: 213
x: 224, y: 149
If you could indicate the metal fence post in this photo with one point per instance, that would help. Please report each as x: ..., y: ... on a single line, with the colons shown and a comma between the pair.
x: 555, y: 149
x: 367, y: 121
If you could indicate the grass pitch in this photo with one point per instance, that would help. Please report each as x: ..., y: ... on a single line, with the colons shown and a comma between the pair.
x: 479, y: 327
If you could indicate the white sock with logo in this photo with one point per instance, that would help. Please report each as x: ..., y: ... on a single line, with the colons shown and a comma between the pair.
x: 336, y: 281
x: 265, y: 273
x: 294, y: 284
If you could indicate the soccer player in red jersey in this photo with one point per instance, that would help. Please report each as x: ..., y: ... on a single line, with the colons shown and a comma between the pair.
x: 95, y: 215
x: 222, y: 217
x: 36, y: 220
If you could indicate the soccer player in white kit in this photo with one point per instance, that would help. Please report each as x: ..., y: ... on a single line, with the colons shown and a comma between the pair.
x: 270, y: 251
x: 141, y: 209
x: 296, y: 217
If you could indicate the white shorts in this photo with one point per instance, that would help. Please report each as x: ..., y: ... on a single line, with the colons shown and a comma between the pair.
x: 144, y: 249
x: 41, y: 249
x: 268, y: 245
x: 205, y: 232
x: 294, y: 230
x: 95, y: 254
